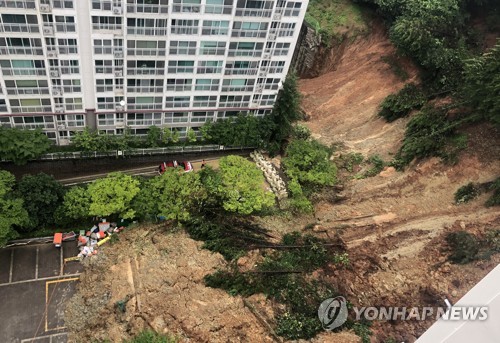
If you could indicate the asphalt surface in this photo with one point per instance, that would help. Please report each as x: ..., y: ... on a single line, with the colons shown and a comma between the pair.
x: 34, y: 286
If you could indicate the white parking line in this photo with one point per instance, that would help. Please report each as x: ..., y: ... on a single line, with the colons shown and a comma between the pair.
x: 11, y: 265
x: 36, y: 264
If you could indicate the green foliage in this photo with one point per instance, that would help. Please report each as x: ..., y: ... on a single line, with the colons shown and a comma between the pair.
x: 86, y: 140
x: 400, y: 104
x: 12, y: 213
x: 494, y: 200
x: 298, y: 202
x: 481, y: 90
x: 377, y: 166
x: 191, y: 135
x: 173, y: 195
x: 75, y: 206
x: 148, y: 336
x: 301, y: 132
x: 166, y: 136
x: 286, y: 110
x: 350, y: 160
x: 363, y: 331
x: 42, y: 195
x: 242, y: 188
x: 113, y: 195
x: 20, y: 146
x: 242, y: 130
x: 271, y: 276
x: 333, y: 18
x: 175, y: 137
x: 308, y: 162
x: 464, y: 247
x: 154, y: 137
x: 466, y: 193
x: 296, y: 326
x: 427, y: 134
x: 396, y: 66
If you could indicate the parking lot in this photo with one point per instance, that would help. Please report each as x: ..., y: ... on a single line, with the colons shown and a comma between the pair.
x: 34, y: 286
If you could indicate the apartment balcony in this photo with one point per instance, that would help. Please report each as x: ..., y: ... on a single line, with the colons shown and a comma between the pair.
x: 205, y: 104
x: 241, y: 71
x: 253, y: 12
x: 20, y: 28
x: 147, y: 31
x: 218, y: 9
x: 144, y: 106
x: 29, y: 91
x: 212, y: 51
x: 21, y: 4
x: 146, y: 52
x: 179, y: 88
x: 249, y: 33
x: 248, y: 53
x: 31, y: 109
x: 24, y: 72
x: 233, y: 104
x: 32, y: 126
x: 184, y: 30
x: 143, y: 122
x: 72, y: 89
x: 237, y: 88
x: 210, y: 88
x: 139, y: 8
x: 21, y: 51
x: 145, y: 89
x: 106, y: 27
x: 145, y: 71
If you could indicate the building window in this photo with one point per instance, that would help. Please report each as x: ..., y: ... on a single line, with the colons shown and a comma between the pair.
x: 179, y: 85
x: 292, y: 9
x: 286, y: 30
x: 146, y: 48
x: 175, y: 67
x: 184, y: 26
x: 177, y: 101
x: 144, y: 103
x: 143, y: 119
x: 245, y: 49
x: 207, y: 85
x: 67, y: 46
x: 22, y: 67
x: 108, y: 103
x: 106, y: 23
x: 69, y: 67
x: 147, y: 27
x: 103, y: 66
x: 182, y: 48
x: 249, y: 29
x: 103, y: 46
x: 209, y: 67
x: 212, y: 48
x: 219, y: 6
x: 65, y: 23
x: 215, y: 27
x: 34, y: 122
x: 71, y: 86
x: 143, y: 67
x: 254, y: 8
x: 234, y: 100
x: 238, y: 85
x: 147, y: 6
x: 63, y: 4
x: 205, y: 101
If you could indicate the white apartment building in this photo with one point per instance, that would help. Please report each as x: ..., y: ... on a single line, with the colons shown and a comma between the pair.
x: 111, y: 64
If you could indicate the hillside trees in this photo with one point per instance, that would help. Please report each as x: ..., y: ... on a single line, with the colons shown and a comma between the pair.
x: 20, y: 146
x: 113, y: 195
x: 42, y: 195
x: 12, y: 213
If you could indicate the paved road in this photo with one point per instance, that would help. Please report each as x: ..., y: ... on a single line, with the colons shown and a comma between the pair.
x: 34, y: 286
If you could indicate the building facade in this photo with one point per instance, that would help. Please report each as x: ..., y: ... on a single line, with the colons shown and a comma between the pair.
x: 111, y: 64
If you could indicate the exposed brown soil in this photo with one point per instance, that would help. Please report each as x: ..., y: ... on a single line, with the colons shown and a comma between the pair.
x: 395, y: 240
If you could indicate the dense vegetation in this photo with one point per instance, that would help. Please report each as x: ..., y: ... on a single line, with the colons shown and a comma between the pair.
x: 20, y: 146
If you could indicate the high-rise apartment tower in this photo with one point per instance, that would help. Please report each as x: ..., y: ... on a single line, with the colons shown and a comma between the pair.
x: 111, y: 64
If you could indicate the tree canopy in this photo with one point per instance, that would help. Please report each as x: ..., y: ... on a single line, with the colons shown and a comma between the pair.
x: 76, y: 204
x: 173, y: 195
x: 42, y: 195
x: 20, y: 146
x: 12, y: 212
x: 242, y: 188
x: 113, y: 195
x: 308, y: 162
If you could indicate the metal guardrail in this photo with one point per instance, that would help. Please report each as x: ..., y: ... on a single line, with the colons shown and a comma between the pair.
x: 137, y: 152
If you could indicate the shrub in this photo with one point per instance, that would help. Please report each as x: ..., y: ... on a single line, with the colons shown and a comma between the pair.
x: 301, y: 132
x: 466, y: 193
x: 20, y: 146
x: 464, y: 247
x: 298, y: 202
x: 149, y: 336
x: 494, y: 200
x: 377, y: 166
x: 399, y: 105
x: 295, y: 326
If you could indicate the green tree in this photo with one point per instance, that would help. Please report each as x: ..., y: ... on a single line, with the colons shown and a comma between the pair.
x: 113, y: 195
x: 12, y: 212
x: 191, y: 135
x: 166, y: 136
x: 20, y: 146
x: 76, y: 204
x: 481, y: 90
x: 42, y: 195
x: 175, y: 137
x: 174, y: 195
x: 286, y: 110
x: 309, y: 162
x: 154, y: 136
x: 242, y: 189
x: 86, y: 140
